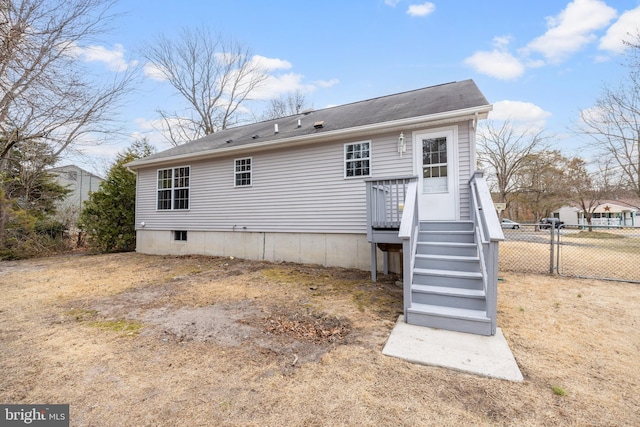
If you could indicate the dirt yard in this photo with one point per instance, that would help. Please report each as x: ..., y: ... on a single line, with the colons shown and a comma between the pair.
x: 135, y: 340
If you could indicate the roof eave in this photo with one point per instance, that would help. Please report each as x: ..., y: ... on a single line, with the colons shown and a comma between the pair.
x: 358, y: 131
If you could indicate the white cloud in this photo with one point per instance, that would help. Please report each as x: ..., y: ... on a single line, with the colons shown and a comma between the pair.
x: 154, y: 130
x: 498, y: 63
x: 421, y: 9
x: 391, y: 3
x: 625, y: 28
x: 112, y: 58
x: 572, y: 29
x: 278, y: 85
x: 267, y: 64
x: 270, y: 64
x: 326, y: 83
x: 153, y: 72
x: 273, y: 87
x: 519, y: 111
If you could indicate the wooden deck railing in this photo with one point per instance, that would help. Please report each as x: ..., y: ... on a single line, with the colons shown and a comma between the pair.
x: 385, y: 201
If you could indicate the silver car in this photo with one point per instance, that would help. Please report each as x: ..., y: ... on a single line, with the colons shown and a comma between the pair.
x: 507, y: 223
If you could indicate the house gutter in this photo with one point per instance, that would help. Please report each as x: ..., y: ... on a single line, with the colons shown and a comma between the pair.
x: 396, y: 125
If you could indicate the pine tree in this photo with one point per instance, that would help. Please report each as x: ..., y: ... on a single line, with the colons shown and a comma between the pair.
x: 108, y: 217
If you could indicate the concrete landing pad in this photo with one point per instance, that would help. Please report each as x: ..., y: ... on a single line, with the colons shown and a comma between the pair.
x: 476, y: 354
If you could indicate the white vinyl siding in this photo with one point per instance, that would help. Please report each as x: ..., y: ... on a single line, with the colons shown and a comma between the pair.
x: 288, y: 192
x: 465, y: 169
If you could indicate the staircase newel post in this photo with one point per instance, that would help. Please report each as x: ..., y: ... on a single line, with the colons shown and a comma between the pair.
x: 492, y: 292
x: 406, y: 275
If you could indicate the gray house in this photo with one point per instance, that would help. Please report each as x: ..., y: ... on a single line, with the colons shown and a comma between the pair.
x: 81, y: 183
x: 388, y: 181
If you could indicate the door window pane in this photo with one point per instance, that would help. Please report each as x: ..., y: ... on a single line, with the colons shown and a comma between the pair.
x: 434, y: 165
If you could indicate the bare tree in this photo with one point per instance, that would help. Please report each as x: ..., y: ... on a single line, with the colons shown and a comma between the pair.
x: 614, y: 126
x: 586, y: 188
x: 540, y: 182
x: 45, y: 94
x: 288, y: 105
x: 613, y: 123
x: 215, y: 77
x: 504, y: 149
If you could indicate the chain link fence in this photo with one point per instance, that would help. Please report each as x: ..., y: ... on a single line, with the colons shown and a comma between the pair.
x: 601, y: 252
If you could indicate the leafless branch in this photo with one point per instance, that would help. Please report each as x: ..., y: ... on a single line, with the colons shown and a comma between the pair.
x: 215, y: 76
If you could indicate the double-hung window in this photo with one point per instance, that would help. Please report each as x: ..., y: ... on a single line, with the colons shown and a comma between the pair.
x: 357, y: 159
x: 173, y: 188
x: 242, y: 174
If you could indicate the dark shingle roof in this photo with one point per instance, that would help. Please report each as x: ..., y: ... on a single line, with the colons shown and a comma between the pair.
x: 416, y: 103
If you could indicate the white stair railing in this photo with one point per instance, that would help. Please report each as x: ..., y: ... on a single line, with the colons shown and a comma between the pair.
x: 488, y: 235
x: 409, y: 229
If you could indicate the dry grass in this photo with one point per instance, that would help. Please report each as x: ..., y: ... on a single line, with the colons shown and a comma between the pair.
x: 231, y: 342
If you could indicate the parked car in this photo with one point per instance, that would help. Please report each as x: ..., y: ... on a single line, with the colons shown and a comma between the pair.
x: 546, y: 223
x: 507, y: 223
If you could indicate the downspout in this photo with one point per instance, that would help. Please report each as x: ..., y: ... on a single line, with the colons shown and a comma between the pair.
x: 135, y: 172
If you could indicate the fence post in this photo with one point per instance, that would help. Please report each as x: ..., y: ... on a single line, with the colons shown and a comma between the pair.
x: 551, y: 249
x: 558, y: 253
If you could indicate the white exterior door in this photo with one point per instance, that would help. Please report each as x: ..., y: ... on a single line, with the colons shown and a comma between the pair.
x: 436, y: 164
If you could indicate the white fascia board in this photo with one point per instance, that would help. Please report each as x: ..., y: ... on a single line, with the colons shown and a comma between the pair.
x: 354, y: 132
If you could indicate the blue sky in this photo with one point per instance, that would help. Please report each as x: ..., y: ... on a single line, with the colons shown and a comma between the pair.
x: 539, y: 63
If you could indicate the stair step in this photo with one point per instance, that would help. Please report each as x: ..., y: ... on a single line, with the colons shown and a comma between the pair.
x: 448, y: 262
x: 447, y: 236
x: 459, y: 313
x: 450, y: 318
x: 450, y: 244
x: 448, y: 296
x: 448, y: 273
x: 448, y: 257
x: 446, y: 225
x: 447, y: 290
x: 447, y: 248
x: 450, y: 278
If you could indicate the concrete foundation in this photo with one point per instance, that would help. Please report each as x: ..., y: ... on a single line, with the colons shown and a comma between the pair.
x: 333, y: 250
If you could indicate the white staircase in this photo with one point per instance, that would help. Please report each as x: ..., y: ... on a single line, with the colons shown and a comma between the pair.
x: 447, y: 290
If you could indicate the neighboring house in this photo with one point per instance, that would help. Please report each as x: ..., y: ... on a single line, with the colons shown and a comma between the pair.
x: 607, y: 213
x: 342, y: 186
x: 567, y: 214
x: 81, y: 183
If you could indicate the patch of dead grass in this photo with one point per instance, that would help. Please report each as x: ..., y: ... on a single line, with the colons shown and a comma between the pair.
x: 236, y: 342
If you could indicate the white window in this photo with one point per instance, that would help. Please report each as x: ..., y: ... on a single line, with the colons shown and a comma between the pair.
x: 242, y: 172
x: 434, y: 165
x: 173, y: 188
x: 357, y: 159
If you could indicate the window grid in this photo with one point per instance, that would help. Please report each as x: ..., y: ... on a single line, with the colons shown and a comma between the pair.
x: 173, y: 188
x: 243, y: 172
x: 434, y: 157
x: 357, y: 159
x: 181, y: 188
x: 180, y: 235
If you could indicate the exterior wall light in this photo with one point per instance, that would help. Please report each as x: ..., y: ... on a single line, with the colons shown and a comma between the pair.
x: 402, y: 145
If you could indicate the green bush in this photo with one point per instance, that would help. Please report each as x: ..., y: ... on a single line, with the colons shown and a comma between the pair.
x: 108, y: 217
